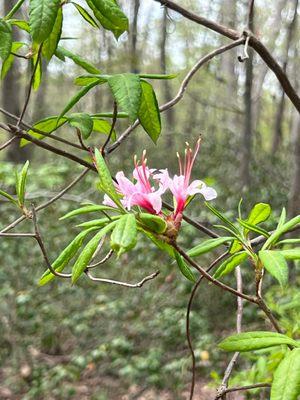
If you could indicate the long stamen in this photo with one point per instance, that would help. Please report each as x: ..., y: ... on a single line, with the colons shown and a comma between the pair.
x: 180, y: 163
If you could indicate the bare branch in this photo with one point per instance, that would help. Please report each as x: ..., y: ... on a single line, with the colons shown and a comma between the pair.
x: 16, y: 235
x: 119, y: 283
x: 102, y: 261
x: 244, y: 388
x: 115, y: 117
x: 6, y: 144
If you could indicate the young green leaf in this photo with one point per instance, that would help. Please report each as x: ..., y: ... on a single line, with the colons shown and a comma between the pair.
x: 7, y: 64
x: 65, y: 256
x: 76, y: 98
x: 47, y: 125
x: 163, y: 246
x: 85, y: 15
x: 106, y: 182
x: 158, y: 76
x: 253, y: 228
x: 282, y: 218
x: 222, y: 217
x: 9, y: 197
x: 37, y: 78
x: 184, y: 268
x: 110, y: 16
x: 20, y: 24
x: 124, y: 235
x: 235, y: 247
x: 62, y: 52
x: 259, y: 213
x: 21, y: 183
x: 288, y: 241
x: 291, y: 254
x: 249, y: 341
x: 102, y: 126
x: 87, y: 209
x: 5, y: 39
x: 83, y: 122
x: 85, y: 80
x: 153, y: 222
x: 127, y: 91
x: 50, y: 45
x: 42, y: 17
x: 280, y: 231
x: 97, y: 222
x: 275, y: 264
x: 88, y: 252
x: 230, y: 264
x: 149, y: 114
x: 208, y: 245
x: 286, y: 381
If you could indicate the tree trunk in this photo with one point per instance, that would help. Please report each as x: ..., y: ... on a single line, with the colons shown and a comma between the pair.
x: 294, y: 201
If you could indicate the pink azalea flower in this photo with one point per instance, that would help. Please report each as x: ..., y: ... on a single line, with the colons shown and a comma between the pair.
x: 141, y: 192
x: 181, y: 187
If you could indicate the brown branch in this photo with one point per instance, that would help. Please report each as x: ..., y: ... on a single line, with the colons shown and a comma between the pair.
x: 8, y: 143
x: 15, y: 235
x: 254, y: 42
x: 115, y: 117
x: 102, y: 261
x: 188, y: 314
x: 119, y: 283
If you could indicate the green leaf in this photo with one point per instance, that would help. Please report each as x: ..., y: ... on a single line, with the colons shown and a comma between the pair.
x: 106, y: 182
x: 249, y: 341
x: 42, y: 17
x: 20, y: 24
x: 222, y: 217
x: 109, y: 115
x: 76, y: 98
x: 88, y: 252
x: 62, y: 52
x: 159, y: 243
x: 275, y: 264
x: 124, y: 235
x: 259, y: 213
x: 288, y: 241
x: 37, y: 78
x: 65, y: 256
x: 253, y: 228
x: 7, y: 64
x: 102, y: 126
x: 85, y: 80
x: 158, y: 76
x: 286, y: 381
x: 280, y: 231
x: 282, y: 218
x: 110, y: 16
x: 86, y: 210
x: 21, y: 183
x: 153, y: 222
x: 9, y: 197
x: 97, y: 222
x: 235, y: 247
x: 85, y: 15
x: 208, y: 245
x: 230, y: 264
x: 50, y: 45
x: 5, y: 39
x: 184, y: 268
x: 47, y: 125
x: 127, y: 91
x: 291, y: 254
x: 83, y: 122
x: 15, y: 8
x: 149, y: 114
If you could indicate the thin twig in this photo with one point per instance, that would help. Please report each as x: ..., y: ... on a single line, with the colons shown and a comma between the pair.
x: 119, y: 283
x: 8, y: 143
x: 29, y: 90
x: 244, y: 388
x: 15, y: 235
x: 115, y: 117
x: 49, y: 202
x: 187, y: 325
x: 102, y: 261
x: 40, y: 241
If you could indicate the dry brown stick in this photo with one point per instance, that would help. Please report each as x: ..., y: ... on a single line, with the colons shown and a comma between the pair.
x: 8, y: 143
x: 182, y: 89
x: 254, y: 42
x: 244, y: 388
x: 187, y: 325
x: 119, y: 283
x: 49, y: 202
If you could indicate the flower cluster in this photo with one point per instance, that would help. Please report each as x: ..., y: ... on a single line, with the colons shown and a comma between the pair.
x: 149, y: 185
